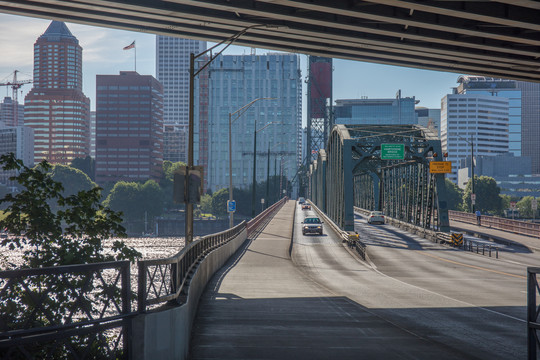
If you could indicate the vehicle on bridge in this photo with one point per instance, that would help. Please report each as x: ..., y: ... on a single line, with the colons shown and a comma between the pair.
x: 306, y: 206
x: 301, y: 200
x: 376, y: 217
x: 312, y: 225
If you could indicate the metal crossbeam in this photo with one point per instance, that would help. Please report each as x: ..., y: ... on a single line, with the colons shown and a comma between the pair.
x: 355, y: 174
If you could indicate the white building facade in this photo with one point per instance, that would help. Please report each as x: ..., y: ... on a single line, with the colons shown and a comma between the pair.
x: 480, y: 119
x: 172, y: 71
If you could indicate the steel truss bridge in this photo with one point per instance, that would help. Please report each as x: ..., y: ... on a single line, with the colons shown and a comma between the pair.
x: 350, y: 173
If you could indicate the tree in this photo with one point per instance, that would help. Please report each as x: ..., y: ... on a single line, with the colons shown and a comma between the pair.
x: 72, y: 235
x: 73, y: 180
x: 219, y: 202
x: 136, y: 201
x: 206, y: 204
x: 524, y: 207
x: 487, y: 195
x: 454, y: 195
x: 86, y: 165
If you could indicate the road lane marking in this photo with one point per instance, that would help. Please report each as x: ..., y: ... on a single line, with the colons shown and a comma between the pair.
x: 473, y: 266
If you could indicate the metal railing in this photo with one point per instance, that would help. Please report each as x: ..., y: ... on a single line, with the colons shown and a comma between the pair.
x: 163, y: 280
x: 495, y: 222
x: 469, y: 245
x: 74, y: 311
x: 533, y: 313
x: 349, y: 237
x: 85, y: 311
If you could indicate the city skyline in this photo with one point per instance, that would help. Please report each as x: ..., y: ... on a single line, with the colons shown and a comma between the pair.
x: 103, y: 54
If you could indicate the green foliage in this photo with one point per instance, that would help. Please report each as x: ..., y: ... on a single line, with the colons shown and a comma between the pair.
x: 72, y: 235
x: 524, y: 206
x: 219, y: 202
x: 86, y: 165
x: 133, y: 200
x: 487, y: 195
x: 454, y: 195
x: 73, y: 180
x: 206, y: 204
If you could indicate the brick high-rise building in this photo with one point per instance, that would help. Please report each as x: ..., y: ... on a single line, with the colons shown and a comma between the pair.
x: 56, y: 107
x: 129, y: 127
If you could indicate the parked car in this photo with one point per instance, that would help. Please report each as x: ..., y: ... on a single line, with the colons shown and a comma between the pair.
x: 301, y: 200
x: 312, y: 225
x: 376, y: 217
x: 306, y: 206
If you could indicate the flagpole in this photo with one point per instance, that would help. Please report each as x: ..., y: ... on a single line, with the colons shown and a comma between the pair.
x: 135, y: 57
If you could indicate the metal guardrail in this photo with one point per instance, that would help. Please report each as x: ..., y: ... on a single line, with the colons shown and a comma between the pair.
x: 533, y: 313
x: 163, y: 280
x: 89, y: 319
x: 350, y: 237
x: 495, y: 222
x: 437, y: 236
x: 94, y: 320
x: 469, y: 245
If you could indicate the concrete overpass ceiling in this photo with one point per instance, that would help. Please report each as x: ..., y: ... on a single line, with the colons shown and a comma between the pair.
x: 499, y: 38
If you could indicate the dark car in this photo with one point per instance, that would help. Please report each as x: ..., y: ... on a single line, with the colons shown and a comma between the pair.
x: 306, y: 206
x: 301, y: 200
x: 312, y: 225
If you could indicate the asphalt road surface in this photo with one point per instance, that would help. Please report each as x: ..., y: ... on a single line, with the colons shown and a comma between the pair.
x: 459, y: 301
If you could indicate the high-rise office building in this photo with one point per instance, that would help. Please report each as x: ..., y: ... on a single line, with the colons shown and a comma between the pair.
x: 11, y: 113
x: 499, y: 88
x: 18, y: 140
x: 477, y: 119
x: 530, y: 123
x: 397, y: 111
x: 56, y: 107
x: 233, y: 82
x: 172, y: 70
x: 129, y: 127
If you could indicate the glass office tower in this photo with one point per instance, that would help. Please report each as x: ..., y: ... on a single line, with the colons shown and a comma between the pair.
x: 231, y: 82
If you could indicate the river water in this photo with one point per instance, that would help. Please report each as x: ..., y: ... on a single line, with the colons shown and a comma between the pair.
x: 149, y: 247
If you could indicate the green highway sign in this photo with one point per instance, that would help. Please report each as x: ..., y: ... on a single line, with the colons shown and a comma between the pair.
x: 392, y: 151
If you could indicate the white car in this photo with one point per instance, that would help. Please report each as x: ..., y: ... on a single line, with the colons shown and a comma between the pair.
x: 376, y: 217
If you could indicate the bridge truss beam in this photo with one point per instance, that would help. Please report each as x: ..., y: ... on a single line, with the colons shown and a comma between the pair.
x: 355, y: 175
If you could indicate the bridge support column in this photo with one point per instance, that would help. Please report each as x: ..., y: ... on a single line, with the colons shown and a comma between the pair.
x: 348, y: 199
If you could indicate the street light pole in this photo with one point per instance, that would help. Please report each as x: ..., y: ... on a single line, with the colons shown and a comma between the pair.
x: 240, y: 112
x: 253, y: 187
x: 472, y: 174
x: 192, y: 74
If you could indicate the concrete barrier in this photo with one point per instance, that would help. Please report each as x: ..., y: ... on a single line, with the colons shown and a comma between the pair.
x: 165, y: 334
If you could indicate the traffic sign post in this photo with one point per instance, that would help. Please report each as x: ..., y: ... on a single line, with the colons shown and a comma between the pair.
x: 392, y: 151
x: 231, y: 206
x: 440, y: 167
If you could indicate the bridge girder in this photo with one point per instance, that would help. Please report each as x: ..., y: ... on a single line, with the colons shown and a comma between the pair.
x: 355, y: 175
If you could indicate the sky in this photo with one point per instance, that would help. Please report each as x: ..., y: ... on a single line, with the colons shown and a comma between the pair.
x: 103, y: 54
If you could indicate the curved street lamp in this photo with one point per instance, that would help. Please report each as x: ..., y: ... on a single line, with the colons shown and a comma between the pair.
x: 191, y: 125
x: 238, y: 114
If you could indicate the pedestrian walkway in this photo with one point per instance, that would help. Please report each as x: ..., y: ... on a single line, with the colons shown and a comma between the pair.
x: 261, y: 306
x: 497, y: 236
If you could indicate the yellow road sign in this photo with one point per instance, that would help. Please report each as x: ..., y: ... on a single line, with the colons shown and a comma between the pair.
x: 457, y: 239
x: 440, y: 167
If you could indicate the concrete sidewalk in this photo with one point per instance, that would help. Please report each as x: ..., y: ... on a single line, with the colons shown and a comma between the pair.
x: 261, y: 306
x: 497, y: 236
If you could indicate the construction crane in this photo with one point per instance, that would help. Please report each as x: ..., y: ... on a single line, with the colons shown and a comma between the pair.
x: 15, y: 86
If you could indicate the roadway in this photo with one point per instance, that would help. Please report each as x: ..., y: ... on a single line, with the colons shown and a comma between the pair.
x: 412, y: 299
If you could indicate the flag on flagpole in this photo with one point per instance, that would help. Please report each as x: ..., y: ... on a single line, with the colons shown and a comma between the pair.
x: 130, y: 46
